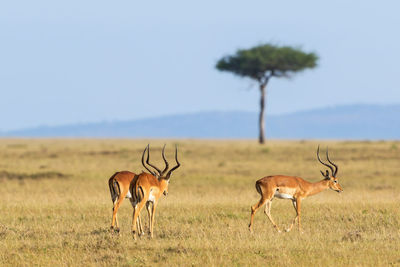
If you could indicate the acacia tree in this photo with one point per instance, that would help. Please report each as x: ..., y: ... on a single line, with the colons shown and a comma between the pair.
x: 263, y: 62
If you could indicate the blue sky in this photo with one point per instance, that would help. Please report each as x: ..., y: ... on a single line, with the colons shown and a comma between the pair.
x: 85, y: 61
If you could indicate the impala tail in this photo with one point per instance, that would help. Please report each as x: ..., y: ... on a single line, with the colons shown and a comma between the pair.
x: 114, y: 187
x: 258, y: 187
x: 138, y: 194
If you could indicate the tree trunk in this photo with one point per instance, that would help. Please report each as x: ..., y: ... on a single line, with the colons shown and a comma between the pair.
x: 261, y: 138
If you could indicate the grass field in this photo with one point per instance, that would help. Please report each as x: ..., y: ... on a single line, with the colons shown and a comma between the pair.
x: 56, y: 206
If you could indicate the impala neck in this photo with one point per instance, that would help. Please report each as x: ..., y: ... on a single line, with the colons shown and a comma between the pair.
x: 318, y: 187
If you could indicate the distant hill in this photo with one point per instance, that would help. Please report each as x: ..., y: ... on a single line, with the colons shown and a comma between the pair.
x: 340, y: 122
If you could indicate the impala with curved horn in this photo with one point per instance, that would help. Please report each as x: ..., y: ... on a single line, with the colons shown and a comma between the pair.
x: 149, y: 187
x: 119, y: 184
x: 293, y: 188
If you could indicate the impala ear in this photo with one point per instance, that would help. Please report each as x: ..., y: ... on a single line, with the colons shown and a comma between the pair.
x: 326, y: 174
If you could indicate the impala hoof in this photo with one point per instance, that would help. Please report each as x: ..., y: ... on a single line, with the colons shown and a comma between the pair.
x: 114, y: 229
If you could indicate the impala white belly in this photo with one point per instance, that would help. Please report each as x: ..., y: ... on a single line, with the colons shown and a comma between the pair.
x: 283, y: 195
x: 128, y: 195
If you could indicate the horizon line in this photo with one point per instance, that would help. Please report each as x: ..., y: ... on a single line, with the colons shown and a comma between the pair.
x: 44, y: 125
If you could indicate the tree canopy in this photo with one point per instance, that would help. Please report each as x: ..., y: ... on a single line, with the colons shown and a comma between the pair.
x: 267, y: 59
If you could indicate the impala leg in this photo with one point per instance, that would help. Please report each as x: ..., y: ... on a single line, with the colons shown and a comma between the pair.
x: 298, y: 210
x: 297, y: 215
x: 254, y: 210
x: 116, y: 206
x: 140, y: 226
x: 153, y: 213
x: 148, y: 208
x: 136, y: 211
x: 267, y: 212
x: 114, y: 219
x: 138, y: 221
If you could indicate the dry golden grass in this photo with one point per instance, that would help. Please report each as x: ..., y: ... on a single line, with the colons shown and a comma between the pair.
x: 56, y: 207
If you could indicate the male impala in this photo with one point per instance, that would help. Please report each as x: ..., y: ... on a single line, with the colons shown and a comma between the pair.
x: 119, y: 185
x: 148, y: 189
x: 119, y: 189
x: 293, y: 188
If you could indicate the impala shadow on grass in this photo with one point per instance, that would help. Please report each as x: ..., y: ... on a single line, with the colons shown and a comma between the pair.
x: 5, y: 175
x: 100, y: 231
x: 6, y: 231
x: 353, y: 236
x: 20, y: 234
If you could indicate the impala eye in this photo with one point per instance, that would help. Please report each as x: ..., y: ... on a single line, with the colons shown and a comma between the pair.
x: 335, y: 182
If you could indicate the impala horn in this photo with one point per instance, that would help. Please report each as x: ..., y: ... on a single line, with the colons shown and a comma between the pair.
x: 166, y: 162
x: 329, y: 166
x: 177, y: 162
x: 336, y: 167
x: 147, y: 161
x: 144, y: 165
